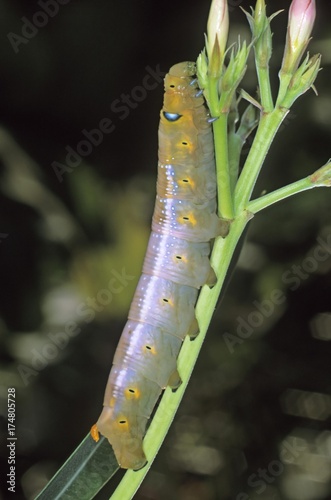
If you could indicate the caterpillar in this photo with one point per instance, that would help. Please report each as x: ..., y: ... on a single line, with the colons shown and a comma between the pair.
x: 176, y: 265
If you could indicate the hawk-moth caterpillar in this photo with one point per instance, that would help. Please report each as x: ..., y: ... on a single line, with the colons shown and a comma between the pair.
x: 175, y: 267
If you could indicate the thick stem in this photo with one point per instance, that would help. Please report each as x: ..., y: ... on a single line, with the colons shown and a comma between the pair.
x: 220, y: 129
x: 265, y: 88
x: 265, y: 134
x: 225, y: 206
x: 235, y: 147
x: 284, y: 81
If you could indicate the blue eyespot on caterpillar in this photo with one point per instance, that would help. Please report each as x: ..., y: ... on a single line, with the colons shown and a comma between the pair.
x: 171, y: 117
x: 176, y: 265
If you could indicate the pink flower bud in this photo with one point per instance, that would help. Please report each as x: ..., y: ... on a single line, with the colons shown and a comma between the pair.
x: 300, y: 24
x: 301, y: 21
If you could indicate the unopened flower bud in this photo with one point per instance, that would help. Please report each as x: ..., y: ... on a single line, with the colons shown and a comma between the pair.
x: 217, y: 33
x: 300, y: 24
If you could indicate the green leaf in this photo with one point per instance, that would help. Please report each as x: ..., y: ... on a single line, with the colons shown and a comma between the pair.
x: 85, y: 472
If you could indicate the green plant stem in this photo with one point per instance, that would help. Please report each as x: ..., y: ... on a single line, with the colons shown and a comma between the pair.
x: 265, y: 88
x: 220, y: 129
x: 220, y: 259
x: 235, y: 147
x: 268, y: 126
x: 284, y: 82
x: 259, y: 204
x: 225, y: 207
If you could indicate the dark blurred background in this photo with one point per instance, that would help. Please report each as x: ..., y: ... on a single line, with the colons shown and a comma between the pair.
x: 255, y: 422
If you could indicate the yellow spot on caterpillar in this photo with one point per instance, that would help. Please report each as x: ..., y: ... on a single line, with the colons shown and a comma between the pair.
x: 167, y: 301
x: 180, y: 258
x: 111, y: 402
x: 132, y: 393
x: 184, y: 219
x: 185, y: 145
x: 122, y: 424
x: 150, y: 349
x: 187, y: 182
